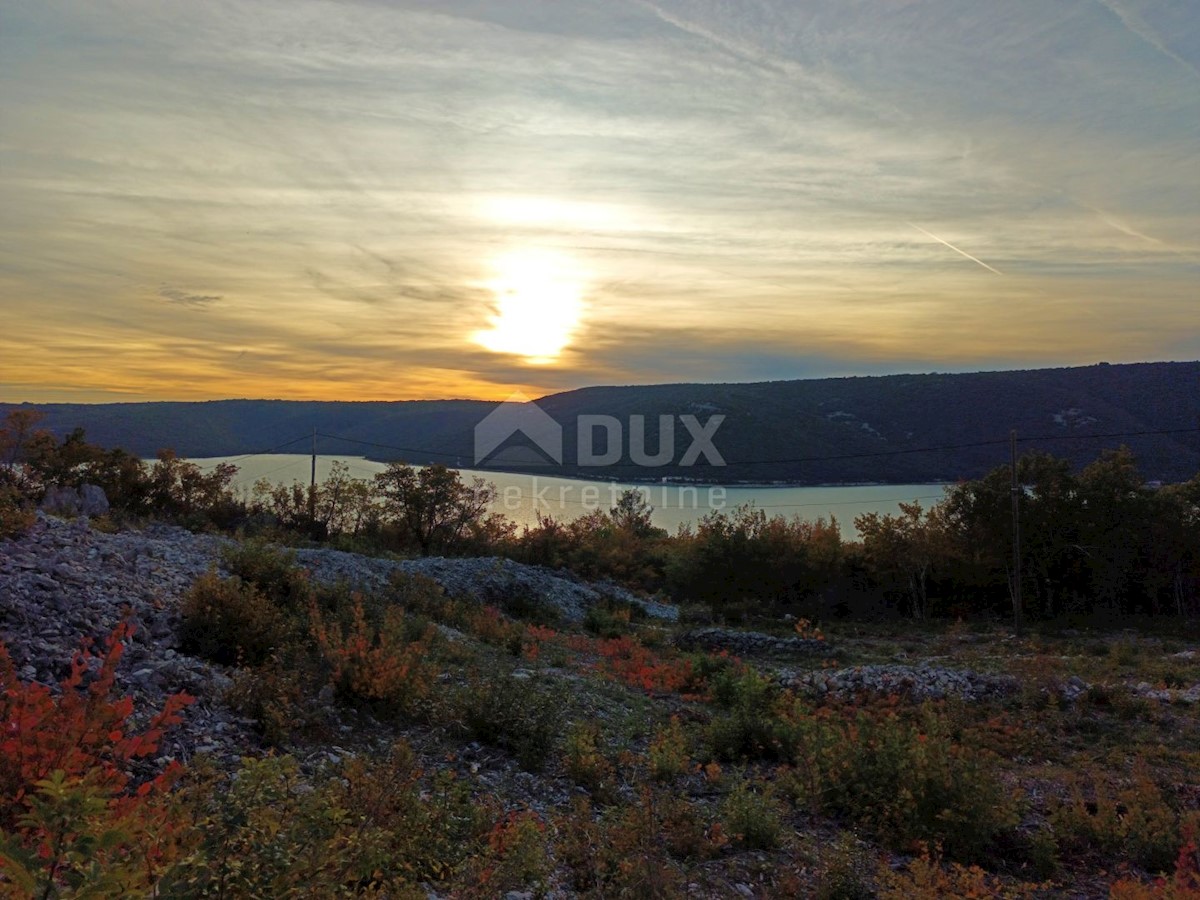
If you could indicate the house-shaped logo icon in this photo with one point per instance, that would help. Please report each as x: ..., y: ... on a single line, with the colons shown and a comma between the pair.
x: 518, y: 415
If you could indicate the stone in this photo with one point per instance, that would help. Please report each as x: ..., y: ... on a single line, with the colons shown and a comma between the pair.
x: 61, y: 501
x: 93, y: 501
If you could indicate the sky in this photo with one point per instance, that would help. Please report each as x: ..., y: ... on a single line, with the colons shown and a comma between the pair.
x: 395, y: 199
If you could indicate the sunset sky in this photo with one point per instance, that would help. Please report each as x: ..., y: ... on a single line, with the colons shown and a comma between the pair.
x: 402, y: 199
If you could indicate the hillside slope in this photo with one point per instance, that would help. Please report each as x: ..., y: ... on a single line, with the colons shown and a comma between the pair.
x: 870, y: 429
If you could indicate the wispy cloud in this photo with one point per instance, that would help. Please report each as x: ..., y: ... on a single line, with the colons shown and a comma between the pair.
x: 728, y: 176
x: 175, y: 295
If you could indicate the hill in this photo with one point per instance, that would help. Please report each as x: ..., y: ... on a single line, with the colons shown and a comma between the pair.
x: 834, y: 430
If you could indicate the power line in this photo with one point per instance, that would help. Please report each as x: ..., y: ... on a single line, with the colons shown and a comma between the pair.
x: 268, y: 452
x: 337, y: 437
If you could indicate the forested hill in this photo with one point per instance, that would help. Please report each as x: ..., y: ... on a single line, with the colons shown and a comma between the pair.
x: 829, y: 430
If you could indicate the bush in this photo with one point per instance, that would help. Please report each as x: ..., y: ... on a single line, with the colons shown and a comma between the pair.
x: 612, y: 618
x: 516, y: 857
x: 668, y: 751
x: 273, y: 571
x: 371, y: 827
x: 753, y: 818
x: 903, y: 781
x: 274, y: 696
x: 230, y: 621
x: 382, y: 662
x: 15, y: 516
x: 1134, y: 823
x: 521, y: 715
x: 621, y: 854
x: 748, y: 728
x: 586, y: 763
x: 927, y: 877
x: 70, y: 821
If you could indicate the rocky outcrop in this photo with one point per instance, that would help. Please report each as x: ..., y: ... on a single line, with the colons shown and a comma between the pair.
x: 87, y: 500
x: 916, y: 682
x: 64, y: 582
x: 484, y: 579
x: 749, y: 643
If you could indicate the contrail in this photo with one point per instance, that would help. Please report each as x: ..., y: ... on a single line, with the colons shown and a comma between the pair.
x: 955, y: 249
x: 1139, y: 27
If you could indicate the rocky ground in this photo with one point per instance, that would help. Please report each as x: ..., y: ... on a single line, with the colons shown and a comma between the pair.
x: 64, y: 582
x: 482, y: 579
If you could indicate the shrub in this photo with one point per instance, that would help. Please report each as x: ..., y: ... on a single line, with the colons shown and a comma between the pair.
x: 844, y: 871
x: 748, y: 727
x: 523, y: 715
x: 273, y: 571
x: 752, y: 817
x: 621, y: 854
x: 1184, y: 883
x: 518, y: 603
x: 69, y: 820
x: 904, y: 781
x: 1134, y: 823
x: 668, y: 751
x: 516, y: 857
x: 586, y: 763
x: 274, y: 696
x: 15, y: 516
x: 374, y: 827
x: 383, y: 663
x: 612, y: 618
x: 230, y: 621
x: 627, y: 660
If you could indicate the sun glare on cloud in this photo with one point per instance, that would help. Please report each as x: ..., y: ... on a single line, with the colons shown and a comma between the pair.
x: 538, y: 304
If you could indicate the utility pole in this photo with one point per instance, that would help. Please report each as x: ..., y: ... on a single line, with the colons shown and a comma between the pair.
x: 1018, y: 625
x: 312, y: 482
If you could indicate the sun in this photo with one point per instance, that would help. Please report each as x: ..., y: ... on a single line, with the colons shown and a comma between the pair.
x: 538, y: 305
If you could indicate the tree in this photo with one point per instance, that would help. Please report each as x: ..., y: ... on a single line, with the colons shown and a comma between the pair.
x: 1115, y: 526
x: 433, y: 507
x: 634, y: 514
x: 906, y: 547
x: 181, y: 488
x: 738, y: 560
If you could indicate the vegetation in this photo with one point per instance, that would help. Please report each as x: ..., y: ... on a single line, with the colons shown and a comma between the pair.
x: 488, y: 747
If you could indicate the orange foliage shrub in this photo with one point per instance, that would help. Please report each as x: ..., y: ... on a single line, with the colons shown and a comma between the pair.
x: 375, y: 663
x: 67, y: 814
x: 1184, y: 884
x: 628, y: 661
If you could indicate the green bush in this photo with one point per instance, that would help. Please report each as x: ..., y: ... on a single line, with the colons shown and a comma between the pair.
x: 523, y: 715
x: 905, y: 781
x: 753, y: 817
x: 272, y: 570
x: 230, y: 621
x: 15, y: 516
x: 747, y: 727
x: 369, y: 827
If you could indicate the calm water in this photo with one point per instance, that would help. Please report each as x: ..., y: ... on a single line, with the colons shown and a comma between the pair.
x: 522, y: 496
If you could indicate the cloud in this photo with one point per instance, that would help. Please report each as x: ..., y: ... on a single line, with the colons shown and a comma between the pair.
x: 730, y: 176
x: 175, y: 295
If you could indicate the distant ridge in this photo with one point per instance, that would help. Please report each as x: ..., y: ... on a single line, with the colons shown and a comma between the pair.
x: 821, y: 431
